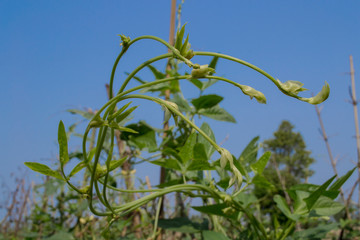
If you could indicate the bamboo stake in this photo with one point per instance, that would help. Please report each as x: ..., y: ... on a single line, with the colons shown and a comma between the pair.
x: 167, y: 97
x: 331, y: 158
x: 356, y: 119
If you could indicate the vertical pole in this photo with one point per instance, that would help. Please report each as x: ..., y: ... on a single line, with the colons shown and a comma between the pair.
x: 356, y: 119
x: 332, y: 160
x: 167, y: 97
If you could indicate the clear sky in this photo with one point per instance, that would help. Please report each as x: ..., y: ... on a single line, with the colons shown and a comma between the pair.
x: 56, y: 55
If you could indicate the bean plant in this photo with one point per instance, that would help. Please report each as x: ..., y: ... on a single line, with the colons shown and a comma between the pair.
x: 187, y: 152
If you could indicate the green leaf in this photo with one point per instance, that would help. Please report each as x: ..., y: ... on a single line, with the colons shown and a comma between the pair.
x: 246, y: 199
x: 211, y: 235
x: 124, y: 129
x: 208, y: 83
x: 217, y: 113
x: 316, y: 233
x: 184, y: 46
x: 197, y: 83
x: 183, y: 225
x: 61, y: 235
x: 62, y: 139
x: 260, y: 165
x: 200, y: 161
x: 284, y: 208
x: 338, y: 183
x: 77, y: 168
x: 206, y: 101
x: 43, y: 169
x: 85, y: 114
x: 116, y: 163
x: 179, y: 38
x: 300, y: 207
x: 249, y: 154
x: 155, y: 88
x: 199, y: 152
x: 145, y: 141
x: 261, y: 181
x: 124, y: 115
x: 325, y: 206
x: 167, y: 163
x: 216, y: 209
x: 311, y: 200
x: 171, y: 152
x: 137, y: 78
x: 209, y: 148
x: 224, y: 183
x: 186, y: 151
x: 158, y: 74
x: 181, y: 102
x: 213, y: 62
x: 120, y: 116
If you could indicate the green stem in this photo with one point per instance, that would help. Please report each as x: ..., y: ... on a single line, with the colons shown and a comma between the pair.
x: 108, y: 160
x: 124, y: 49
x: 144, y: 64
x: 170, y: 47
x: 98, y: 193
x: 99, y: 144
x: 157, y: 217
x: 248, y: 65
x: 177, y: 112
x: 254, y: 222
x: 288, y: 230
x: 176, y: 188
x: 241, y: 189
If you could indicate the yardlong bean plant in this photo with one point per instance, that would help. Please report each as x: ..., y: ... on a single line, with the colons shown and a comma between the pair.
x: 187, y: 149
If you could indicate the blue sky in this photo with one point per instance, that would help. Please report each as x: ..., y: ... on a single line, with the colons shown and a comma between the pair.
x: 56, y: 55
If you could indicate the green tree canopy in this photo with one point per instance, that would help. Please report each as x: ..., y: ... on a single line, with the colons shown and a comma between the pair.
x: 288, y: 166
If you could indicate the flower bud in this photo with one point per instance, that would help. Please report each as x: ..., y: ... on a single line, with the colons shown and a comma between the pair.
x: 100, y: 171
x: 189, y: 55
x: 168, y: 111
x: 96, y: 122
x: 124, y: 40
x: 225, y: 157
x: 228, y: 211
x: 251, y: 92
x: 291, y: 86
x: 85, y: 190
x: 237, y: 176
x: 202, y: 71
x: 226, y: 198
x: 321, y: 96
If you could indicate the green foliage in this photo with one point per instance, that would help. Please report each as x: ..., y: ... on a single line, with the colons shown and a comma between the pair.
x: 232, y: 206
x: 43, y: 169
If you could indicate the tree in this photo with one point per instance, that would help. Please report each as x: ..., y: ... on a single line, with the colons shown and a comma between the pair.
x: 288, y: 165
x: 289, y: 152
